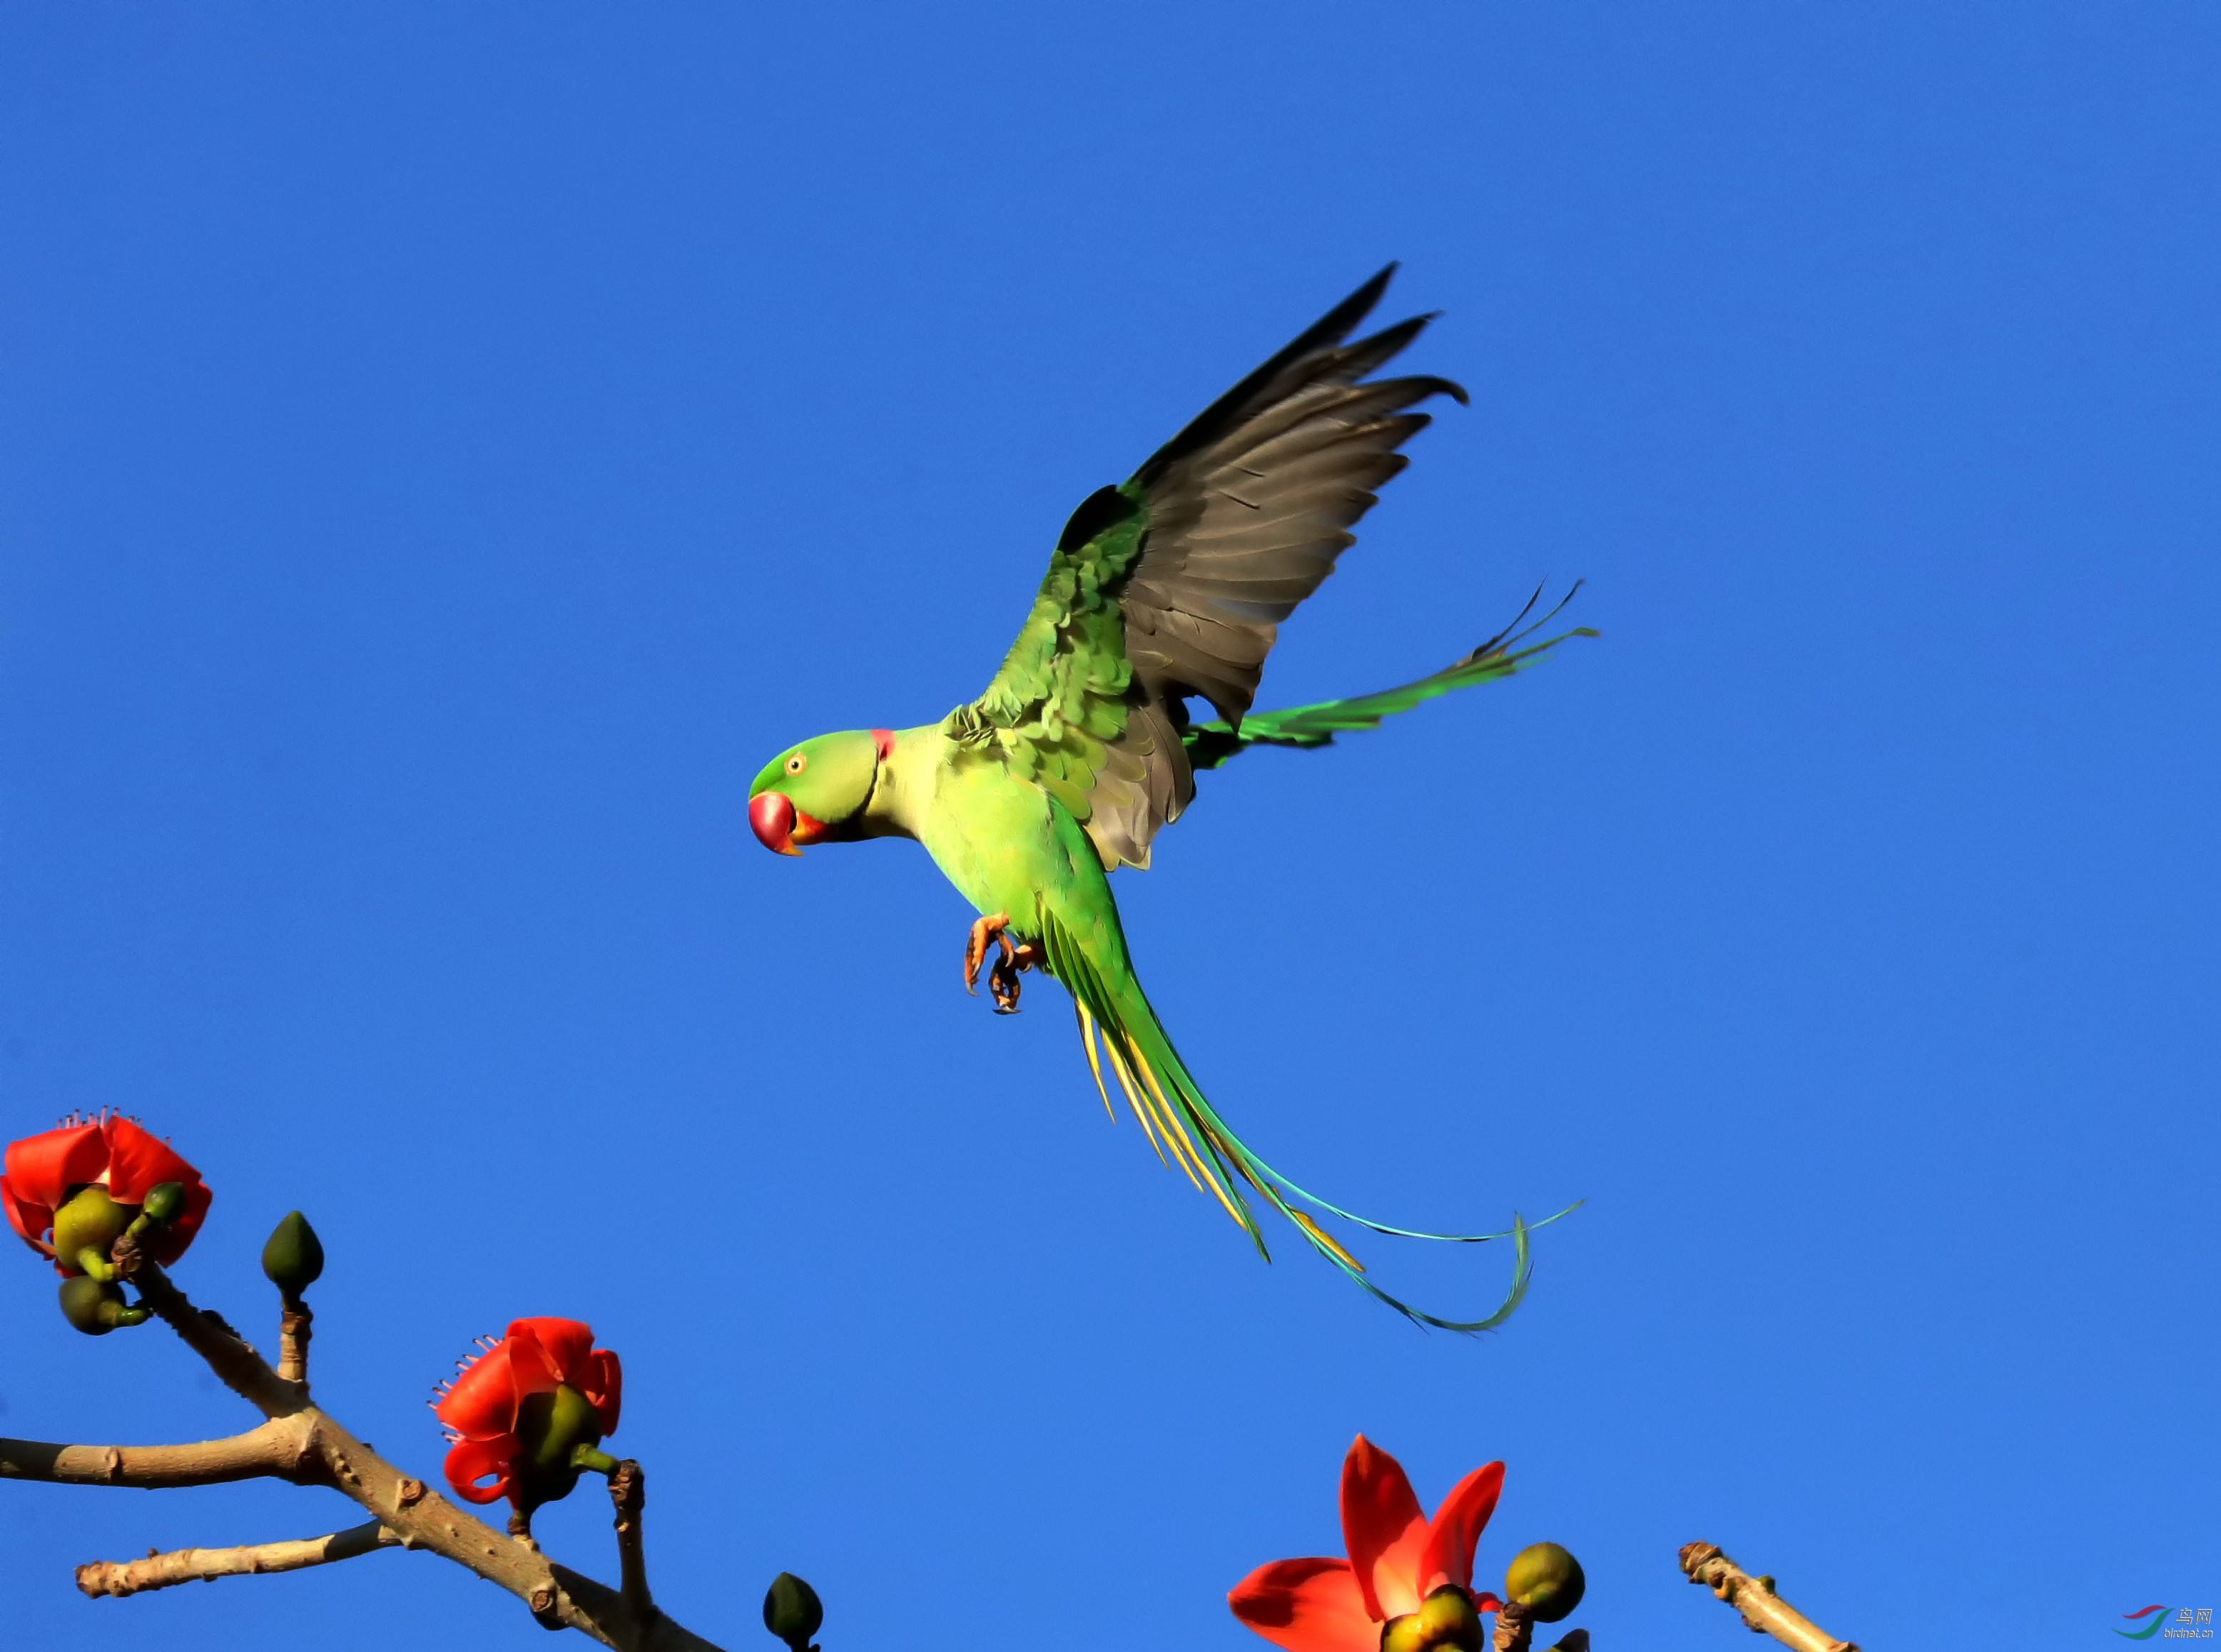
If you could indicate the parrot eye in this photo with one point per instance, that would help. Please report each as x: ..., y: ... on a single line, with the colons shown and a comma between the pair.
x: 794, y: 764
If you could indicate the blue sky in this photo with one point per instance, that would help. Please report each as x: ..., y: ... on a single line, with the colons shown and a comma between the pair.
x: 445, y: 451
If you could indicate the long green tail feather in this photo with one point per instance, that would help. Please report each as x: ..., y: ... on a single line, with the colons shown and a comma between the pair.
x: 1309, y: 727
x: 1185, y: 1129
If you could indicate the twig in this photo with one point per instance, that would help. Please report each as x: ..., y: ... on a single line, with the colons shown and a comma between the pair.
x: 1763, y: 1610
x: 205, y: 1565
x: 1514, y: 1630
x: 302, y: 1443
x: 628, y: 1496
x: 294, y: 1330
x: 279, y: 1449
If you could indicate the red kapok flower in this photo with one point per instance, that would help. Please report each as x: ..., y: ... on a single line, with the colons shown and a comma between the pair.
x: 523, y: 1412
x: 1401, y: 1566
x: 46, y: 1172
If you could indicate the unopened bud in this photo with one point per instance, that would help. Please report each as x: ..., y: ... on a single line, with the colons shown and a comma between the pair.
x: 96, y: 1307
x: 1547, y: 1580
x: 793, y: 1611
x: 166, y: 1201
x: 293, y: 1260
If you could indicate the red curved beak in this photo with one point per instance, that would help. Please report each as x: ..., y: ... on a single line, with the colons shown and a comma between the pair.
x: 778, y: 825
x: 771, y: 817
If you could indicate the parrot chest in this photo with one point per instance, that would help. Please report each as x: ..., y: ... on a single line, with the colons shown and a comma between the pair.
x: 994, y: 837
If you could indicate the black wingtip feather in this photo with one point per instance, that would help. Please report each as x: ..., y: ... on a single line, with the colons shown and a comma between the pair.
x: 1360, y: 303
x: 1328, y: 331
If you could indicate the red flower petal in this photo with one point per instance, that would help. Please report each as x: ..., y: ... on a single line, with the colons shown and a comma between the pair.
x: 42, y: 1169
x: 482, y: 1405
x: 472, y: 1460
x: 1447, y: 1557
x: 32, y: 1222
x: 1307, y: 1606
x: 1382, y: 1524
x: 530, y: 1370
x: 138, y: 1161
x: 567, y: 1341
x: 605, y: 1387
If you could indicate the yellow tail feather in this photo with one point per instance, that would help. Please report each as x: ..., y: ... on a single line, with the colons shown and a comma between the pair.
x: 1168, y: 1117
x: 1094, y: 1060
x: 1321, y: 1236
x: 1132, y: 1089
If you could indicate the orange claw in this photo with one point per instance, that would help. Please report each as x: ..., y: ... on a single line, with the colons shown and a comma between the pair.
x: 975, y: 947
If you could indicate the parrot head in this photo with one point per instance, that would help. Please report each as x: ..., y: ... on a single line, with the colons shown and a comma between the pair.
x: 816, y: 792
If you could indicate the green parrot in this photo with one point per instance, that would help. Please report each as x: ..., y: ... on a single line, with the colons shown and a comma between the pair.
x: 1170, y: 585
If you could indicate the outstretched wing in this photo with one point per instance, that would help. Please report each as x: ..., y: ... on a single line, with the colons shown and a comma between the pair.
x: 1309, y: 727
x: 1174, y: 583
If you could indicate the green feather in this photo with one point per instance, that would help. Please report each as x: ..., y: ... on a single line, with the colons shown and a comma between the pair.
x: 1309, y: 727
x: 1070, y: 655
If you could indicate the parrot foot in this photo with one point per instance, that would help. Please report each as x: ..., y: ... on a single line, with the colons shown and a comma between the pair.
x: 1003, y: 978
x: 975, y: 947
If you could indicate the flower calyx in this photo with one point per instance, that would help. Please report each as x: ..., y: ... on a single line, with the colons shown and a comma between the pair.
x: 1446, y: 1619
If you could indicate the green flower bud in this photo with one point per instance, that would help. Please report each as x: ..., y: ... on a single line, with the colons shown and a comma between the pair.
x: 1446, y: 1620
x: 96, y: 1307
x: 165, y: 1202
x: 793, y: 1611
x: 1450, y: 1618
x: 293, y: 1258
x: 91, y: 1220
x: 1547, y: 1580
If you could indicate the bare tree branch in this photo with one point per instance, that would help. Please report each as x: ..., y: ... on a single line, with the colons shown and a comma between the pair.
x: 304, y: 1444
x: 629, y: 1495
x: 279, y: 1449
x: 228, y: 1354
x: 1763, y: 1610
x: 204, y: 1565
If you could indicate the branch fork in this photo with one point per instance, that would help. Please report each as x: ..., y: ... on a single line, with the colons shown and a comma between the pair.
x: 301, y: 1443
